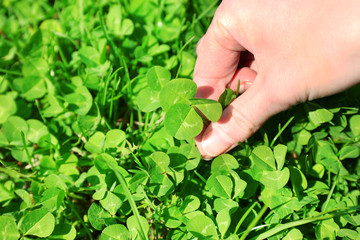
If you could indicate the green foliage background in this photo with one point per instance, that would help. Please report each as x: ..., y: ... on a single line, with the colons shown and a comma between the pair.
x: 88, y: 147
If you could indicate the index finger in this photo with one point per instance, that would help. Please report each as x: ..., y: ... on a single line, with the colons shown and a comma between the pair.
x: 218, y: 56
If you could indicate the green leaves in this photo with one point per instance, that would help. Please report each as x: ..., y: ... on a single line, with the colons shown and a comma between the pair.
x: 64, y: 231
x: 31, y: 87
x: 7, y: 107
x: 96, y: 143
x: 263, y: 158
x: 14, y: 129
x: 275, y: 179
x: 80, y: 101
x: 37, y: 130
x: 189, y: 204
x: 224, y: 181
x: 148, y: 100
x: 172, y: 217
x: 267, y: 168
x: 349, y: 152
x: 98, y: 217
x: 52, y: 198
x: 224, y: 162
x: 220, y: 185
x: 39, y: 223
x: 116, y: 232
x: 177, y: 91
x: 354, y: 123
x: 160, y: 184
x: 280, y: 155
x: 327, y: 229
x: 118, y: 25
x: 9, y: 229
x: 227, y: 97
x: 183, y: 122
x: 135, y: 228
x: 202, y: 227
x: 157, y: 77
x: 111, y: 203
x: 319, y: 115
x: 223, y: 221
x: 294, y: 234
x: 99, y: 143
x: 210, y: 108
x: 183, y: 119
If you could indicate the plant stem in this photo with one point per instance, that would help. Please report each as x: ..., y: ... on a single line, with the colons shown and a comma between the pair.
x: 78, y: 217
x: 201, y: 177
x: 10, y: 72
x: 281, y: 131
x: 331, y: 191
x: 242, y: 219
x: 254, y: 222
x: 206, y: 11
x: 130, y: 198
x: 136, y: 159
x: 26, y: 150
x: 320, y: 217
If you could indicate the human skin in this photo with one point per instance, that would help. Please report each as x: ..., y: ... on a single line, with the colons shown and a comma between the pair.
x: 283, y: 52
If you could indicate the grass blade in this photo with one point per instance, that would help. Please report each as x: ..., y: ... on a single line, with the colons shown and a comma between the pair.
x: 320, y: 217
x: 130, y: 198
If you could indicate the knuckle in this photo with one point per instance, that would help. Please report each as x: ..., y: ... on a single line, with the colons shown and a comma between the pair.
x: 243, y: 125
x: 198, y: 45
x: 238, y: 127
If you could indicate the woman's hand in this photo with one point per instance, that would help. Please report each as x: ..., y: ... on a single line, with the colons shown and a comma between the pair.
x: 282, y: 53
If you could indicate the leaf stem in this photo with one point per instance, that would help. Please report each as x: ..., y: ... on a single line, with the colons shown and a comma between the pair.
x: 201, y: 177
x: 281, y: 131
x: 254, y: 222
x: 331, y: 191
x: 242, y: 219
x: 148, y: 200
x: 130, y: 198
x: 136, y: 159
x: 320, y: 217
x: 10, y: 72
x: 78, y: 217
x: 39, y: 109
x: 26, y: 150
x: 205, y: 12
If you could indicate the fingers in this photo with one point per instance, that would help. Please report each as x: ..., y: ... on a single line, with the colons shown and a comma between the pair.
x: 218, y: 57
x: 218, y: 66
x: 239, y: 120
x: 242, y: 80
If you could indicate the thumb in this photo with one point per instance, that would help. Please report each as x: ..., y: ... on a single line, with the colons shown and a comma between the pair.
x: 240, y: 119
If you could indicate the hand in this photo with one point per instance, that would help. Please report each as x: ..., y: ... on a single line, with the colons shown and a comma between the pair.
x: 282, y: 52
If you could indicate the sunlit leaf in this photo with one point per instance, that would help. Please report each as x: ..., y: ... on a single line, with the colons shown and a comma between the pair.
x: 157, y: 77
x: 9, y: 229
x: 224, y: 162
x: 183, y: 122
x: 202, y: 227
x: 177, y: 91
x: 115, y: 232
x: 211, y: 109
x: 220, y: 185
x: 39, y: 222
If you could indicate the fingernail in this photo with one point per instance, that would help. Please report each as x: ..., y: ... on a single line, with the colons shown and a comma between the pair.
x: 231, y: 147
x: 214, y: 144
x: 207, y: 158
